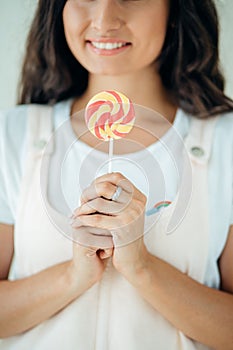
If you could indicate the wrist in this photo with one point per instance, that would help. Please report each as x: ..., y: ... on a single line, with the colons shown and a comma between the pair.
x: 77, y: 280
x: 137, y: 271
x: 74, y: 281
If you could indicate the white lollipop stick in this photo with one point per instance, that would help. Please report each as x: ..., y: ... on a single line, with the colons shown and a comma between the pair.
x: 110, y: 154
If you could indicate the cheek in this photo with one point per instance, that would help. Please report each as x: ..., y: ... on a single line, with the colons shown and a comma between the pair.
x: 155, y: 29
x: 68, y: 21
x: 73, y: 22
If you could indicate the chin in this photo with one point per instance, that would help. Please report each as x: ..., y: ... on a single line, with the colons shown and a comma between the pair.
x: 109, y: 71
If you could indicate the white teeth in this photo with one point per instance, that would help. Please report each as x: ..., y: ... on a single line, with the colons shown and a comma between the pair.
x: 107, y: 46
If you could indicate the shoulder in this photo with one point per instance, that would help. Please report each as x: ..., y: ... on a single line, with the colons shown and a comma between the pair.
x: 223, y: 136
x: 12, y: 115
x: 225, y: 123
x: 13, y: 126
x: 13, y: 121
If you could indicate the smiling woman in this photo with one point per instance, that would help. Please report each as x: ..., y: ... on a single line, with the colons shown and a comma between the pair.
x: 181, y: 69
x: 120, y: 281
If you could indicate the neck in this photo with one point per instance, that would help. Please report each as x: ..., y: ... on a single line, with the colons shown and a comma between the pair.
x: 143, y: 88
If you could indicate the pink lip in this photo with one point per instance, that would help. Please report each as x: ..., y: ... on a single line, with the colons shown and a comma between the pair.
x: 104, y: 52
x: 107, y: 40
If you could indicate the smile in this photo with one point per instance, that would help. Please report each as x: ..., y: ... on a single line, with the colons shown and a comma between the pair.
x: 107, y: 45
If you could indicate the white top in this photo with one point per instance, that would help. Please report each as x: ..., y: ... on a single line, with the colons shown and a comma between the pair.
x: 81, y: 164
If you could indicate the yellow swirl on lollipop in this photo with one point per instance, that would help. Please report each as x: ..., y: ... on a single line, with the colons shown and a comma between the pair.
x: 109, y: 115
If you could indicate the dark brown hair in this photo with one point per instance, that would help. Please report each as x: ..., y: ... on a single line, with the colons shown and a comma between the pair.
x: 188, y: 63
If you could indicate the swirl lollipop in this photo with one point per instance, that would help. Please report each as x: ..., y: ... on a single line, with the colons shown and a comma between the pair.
x: 110, y: 115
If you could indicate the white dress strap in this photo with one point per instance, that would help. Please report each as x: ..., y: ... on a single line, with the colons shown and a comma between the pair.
x: 199, y: 140
x: 40, y: 128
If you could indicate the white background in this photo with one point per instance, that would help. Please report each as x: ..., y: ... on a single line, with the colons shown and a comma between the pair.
x: 15, y: 18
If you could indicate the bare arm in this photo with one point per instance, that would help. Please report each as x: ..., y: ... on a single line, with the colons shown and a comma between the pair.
x: 27, y: 302
x: 6, y: 249
x: 226, y: 265
x: 203, y: 314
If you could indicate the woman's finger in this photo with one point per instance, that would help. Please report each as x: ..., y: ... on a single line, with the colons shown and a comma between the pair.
x: 116, y: 179
x: 105, y: 254
x: 106, y: 190
x: 93, y: 237
x: 108, y: 222
x: 95, y: 190
x: 101, y: 221
x: 120, y: 180
x: 103, y: 206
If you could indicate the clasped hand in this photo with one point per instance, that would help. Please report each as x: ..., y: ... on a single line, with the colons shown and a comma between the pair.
x: 106, y: 227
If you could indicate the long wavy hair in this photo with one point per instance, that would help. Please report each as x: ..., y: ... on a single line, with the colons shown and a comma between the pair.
x: 188, y: 63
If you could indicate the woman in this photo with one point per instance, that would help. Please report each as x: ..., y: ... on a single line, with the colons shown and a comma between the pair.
x: 126, y: 290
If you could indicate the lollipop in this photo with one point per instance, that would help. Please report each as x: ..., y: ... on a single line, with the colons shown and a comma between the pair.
x: 109, y: 115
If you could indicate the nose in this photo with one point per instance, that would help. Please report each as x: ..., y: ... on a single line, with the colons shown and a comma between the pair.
x: 107, y: 16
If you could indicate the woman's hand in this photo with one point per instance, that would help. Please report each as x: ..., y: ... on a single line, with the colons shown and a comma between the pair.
x: 91, y: 249
x: 122, y: 218
x: 88, y: 265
